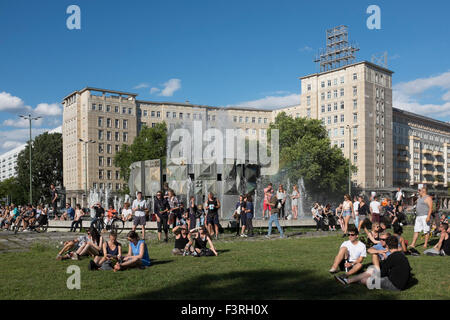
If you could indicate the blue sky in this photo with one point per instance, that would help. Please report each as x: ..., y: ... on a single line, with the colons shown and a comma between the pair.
x: 208, y: 52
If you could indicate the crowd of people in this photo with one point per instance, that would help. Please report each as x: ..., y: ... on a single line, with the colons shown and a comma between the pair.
x: 28, y: 217
x: 390, y: 268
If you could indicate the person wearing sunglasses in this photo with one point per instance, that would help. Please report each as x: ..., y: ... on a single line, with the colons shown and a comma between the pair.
x: 351, y: 254
x: 380, y: 249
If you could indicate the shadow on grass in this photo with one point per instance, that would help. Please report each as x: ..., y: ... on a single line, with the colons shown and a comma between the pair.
x: 155, y: 262
x: 265, y: 285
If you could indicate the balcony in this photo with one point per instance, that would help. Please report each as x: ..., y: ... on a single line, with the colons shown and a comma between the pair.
x: 426, y: 161
x: 426, y: 151
x: 402, y: 147
x: 427, y: 172
x: 402, y: 158
x: 403, y: 170
x: 438, y: 153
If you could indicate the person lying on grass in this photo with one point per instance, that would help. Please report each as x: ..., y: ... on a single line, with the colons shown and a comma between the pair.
x: 137, y: 256
x: 201, y: 238
x: 112, y: 253
x: 84, y: 245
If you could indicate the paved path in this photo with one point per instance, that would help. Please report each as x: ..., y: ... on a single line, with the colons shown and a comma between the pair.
x: 10, y: 242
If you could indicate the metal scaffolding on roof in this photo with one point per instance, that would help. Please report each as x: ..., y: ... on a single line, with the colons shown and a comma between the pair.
x: 338, y: 52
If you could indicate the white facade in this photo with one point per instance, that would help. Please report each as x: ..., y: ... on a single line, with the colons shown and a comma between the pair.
x: 8, y: 160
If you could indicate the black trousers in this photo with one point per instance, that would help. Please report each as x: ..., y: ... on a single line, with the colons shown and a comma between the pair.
x: 163, y: 224
x: 74, y: 225
x: 249, y: 226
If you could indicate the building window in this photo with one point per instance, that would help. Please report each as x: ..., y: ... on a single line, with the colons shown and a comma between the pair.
x: 158, y: 114
x: 355, y: 144
x: 335, y: 106
x: 342, y: 144
x: 355, y: 104
x: 342, y: 118
x: 355, y: 91
x: 355, y: 76
x: 116, y: 109
x: 100, y: 174
x: 117, y: 148
x: 174, y: 115
x: 181, y: 115
x: 100, y: 148
x: 100, y: 107
x: 259, y: 120
x: 125, y: 124
x: 308, y: 100
x: 145, y: 113
x: 309, y: 87
x: 108, y: 122
x: 125, y: 137
x: 100, y: 134
x: 329, y: 83
x: 322, y: 84
x: 335, y: 119
x: 108, y: 135
x: 322, y: 96
x: 355, y: 158
x: 335, y: 81
x: 335, y: 93
x: 100, y: 121
x: 234, y: 118
x: 129, y: 110
x: 124, y: 110
x: 109, y: 148
x: 240, y: 119
x: 93, y: 106
x: 342, y: 80
x: 116, y: 136
x: 117, y: 175
x: 253, y: 120
x: 323, y: 108
x: 329, y: 107
x: 100, y: 161
x: 342, y: 92
x: 355, y: 117
x: 342, y: 105
x: 329, y: 120
x: 109, y: 161
x: 308, y: 113
x: 265, y: 120
x: 342, y: 131
x: 117, y: 123
x: 329, y: 95
x: 108, y: 108
x: 246, y: 119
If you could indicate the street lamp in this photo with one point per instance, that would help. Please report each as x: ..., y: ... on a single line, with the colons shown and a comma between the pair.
x: 30, y: 118
x: 85, y: 142
x: 349, y: 127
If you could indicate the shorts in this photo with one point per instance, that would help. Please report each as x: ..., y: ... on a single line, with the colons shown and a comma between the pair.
x: 212, y: 219
x: 266, y: 206
x: 421, y: 224
x: 243, y: 218
x: 139, y: 221
x: 347, y: 213
x: 386, y: 284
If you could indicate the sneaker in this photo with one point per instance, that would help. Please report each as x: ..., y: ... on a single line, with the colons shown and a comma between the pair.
x: 26, y: 230
x: 332, y: 270
x: 267, y: 236
x: 74, y: 256
x: 342, y: 280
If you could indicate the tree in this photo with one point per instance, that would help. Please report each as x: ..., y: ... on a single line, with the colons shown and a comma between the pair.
x: 11, y: 189
x: 151, y: 143
x: 305, y: 151
x: 47, y: 169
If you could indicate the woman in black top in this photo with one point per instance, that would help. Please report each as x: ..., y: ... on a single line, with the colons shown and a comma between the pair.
x: 240, y: 216
x: 363, y: 213
x: 330, y: 216
x: 112, y: 251
x: 202, y: 240
x: 182, y: 240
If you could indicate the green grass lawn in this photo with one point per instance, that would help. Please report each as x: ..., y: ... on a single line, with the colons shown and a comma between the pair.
x: 295, y: 268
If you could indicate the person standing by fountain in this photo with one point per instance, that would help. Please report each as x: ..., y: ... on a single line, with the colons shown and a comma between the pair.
x: 348, y: 211
x: 249, y: 212
x: 268, y: 192
x: 161, y: 209
x: 281, y: 200
x: 212, y: 219
x: 174, y: 208
x: 294, y: 196
x: 54, y: 203
x: 239, y: 215
x: 273, y: 216
x: 192, y: 217
x: 139, y: 207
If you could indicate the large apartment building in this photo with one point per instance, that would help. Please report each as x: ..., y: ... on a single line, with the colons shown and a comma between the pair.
x: 354, y: 103
x: 103, y: 120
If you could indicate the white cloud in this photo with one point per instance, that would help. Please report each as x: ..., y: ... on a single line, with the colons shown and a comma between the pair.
x: 154, y: 90
x: 22, y: 123
x: 45, y: 109
x: 405, y: 95
x: 271, y: 102
x: 11, y: 103
x: 170, y: 87
x: 14, y: 138
x: 141, y: 86
x: 11, y: 144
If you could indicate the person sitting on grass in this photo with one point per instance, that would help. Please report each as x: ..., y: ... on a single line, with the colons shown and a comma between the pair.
x: 182, y: 241
x: 70, y: 247
x: 29, y: 217
x: 137, y: 256
x: 374, y: 234
x: 398, y: 231
x: 112, y: 252
x: 381, y: 248
x: 394, y: 272
x: 201, y: 238
x: 443, y: 246
x: 92, y: 247
x: 351, y: 254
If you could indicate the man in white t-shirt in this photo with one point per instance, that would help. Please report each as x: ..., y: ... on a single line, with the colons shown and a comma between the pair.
x: 375, y: 207
x: 351, y: 254
x: 139, y: 207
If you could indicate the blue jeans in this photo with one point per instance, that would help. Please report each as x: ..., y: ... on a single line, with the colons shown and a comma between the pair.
x: 274, y: 218
x: 356, y: 221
